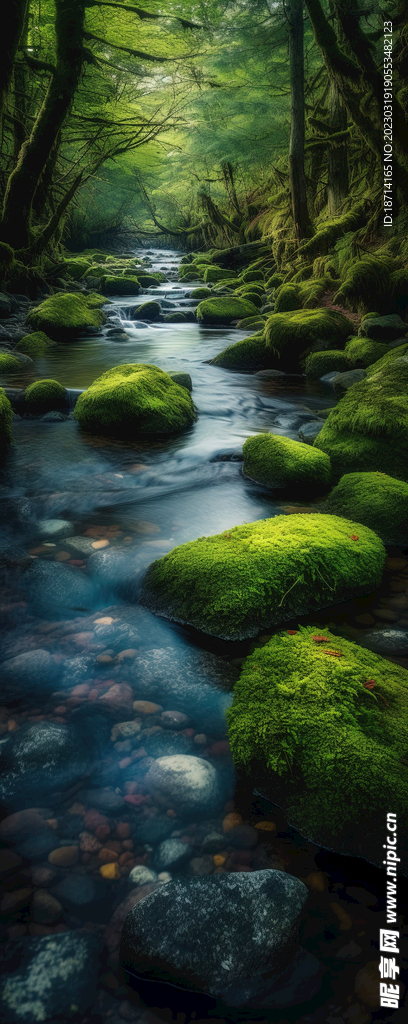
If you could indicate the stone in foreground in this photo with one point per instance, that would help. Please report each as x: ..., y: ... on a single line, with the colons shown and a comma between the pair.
x: 51, y: 978
x: 321, y: 727
x: 135, y: 399
x: 229, y: 936
x: 250, y: 577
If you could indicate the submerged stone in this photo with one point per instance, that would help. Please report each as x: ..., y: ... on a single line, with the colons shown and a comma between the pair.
x: 135, y: 399
x: 48, y: 978
x: 321, y: 726
x: 184, y: 783
x: 229, y: 936
x: 236, y: 583
x: 58, y: 588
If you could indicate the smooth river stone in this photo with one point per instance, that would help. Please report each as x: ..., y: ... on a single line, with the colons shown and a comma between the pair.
x: 185, y: 783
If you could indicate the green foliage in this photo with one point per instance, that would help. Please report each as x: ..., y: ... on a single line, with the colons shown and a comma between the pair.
x: 368, y: 429
x: 45, y: 395
x: 135, y: 399
x: 306, y: 718
x: 9, y: 363
x: 224, y: 310
x: 287, y: 298
x: 6, y: 417
x: 289, y: 335
x: 236, y: 583
x: 35, y: 345
x: 376, y: 500
x: 320, y: 363
x: 331, y: 230
x: 281, y: 462
x: 6, y: 259
x: 120, y: 285
x: 65, y: 315
x: 363, y: 352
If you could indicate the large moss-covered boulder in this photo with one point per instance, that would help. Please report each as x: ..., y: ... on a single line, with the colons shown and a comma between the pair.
x: 35, y: 345
x: 375, y: 499
x: 6, y: 416
x: 224, y: 310
x: 368, y: 283
x: 368, y: 429
x: 150, y: 280
x: 288, y: 336
x: 135, y: 399
x: 9, y: 363
x: 281, y: 462
x: 362, y: 352
x: 247, y: 354
x: 149, y: 310
x: 76, y: 267
x: 322, y: 726
x: 45, y: 395
x: 287, y: 298
x: 245, y: 579
x: 120, y: 285
x: 64, y: 316
x: 212, y: 275
x: 320, y: 363
x: 390, y: 356
x: 200, y: 293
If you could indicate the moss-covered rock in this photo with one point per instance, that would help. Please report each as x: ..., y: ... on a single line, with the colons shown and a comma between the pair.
x: 252, y: 275
x: 254, y: 322
x: 368, y: 429
x: 250, y: 289
x: 150, y: 280
x: 287, y: 298
x: 149, y: 310
x: 6, y: 417
x: 254, y: 297
x: 274, y: 282
x: 200, y: 293
x: 311, y: 292
x: 383, y: 328
x: 238, y: 582
x: 214, y: 274
x: 183, y: 379
x: 186, y: 316
x: 120, y: 285
x: 224, y: 310
x: 320, y: 363
x: 281, y: 462
x: 135, y: 399
x: 35, y: 345
x: 288, y: 336
x: 45, y: 395
x: 64, y: 316
x: 368, y: 283
x: 322, y: 726
x: 247, y: 354
x: 95, y: 301
x: 9, y: 363
x: 363, y: 352
x: 189, y: 271
x: 390, y: 357
x: 376, y: 500
x: 76, y: 267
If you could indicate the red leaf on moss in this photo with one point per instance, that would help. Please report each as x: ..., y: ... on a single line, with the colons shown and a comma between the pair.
x: 370, y: 684
x: 334, y: 654
x: 320, y: 639
x: 292, y: 632
x: 353, y: 536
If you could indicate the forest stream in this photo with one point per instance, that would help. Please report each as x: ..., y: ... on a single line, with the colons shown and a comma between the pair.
x: 84, y: 839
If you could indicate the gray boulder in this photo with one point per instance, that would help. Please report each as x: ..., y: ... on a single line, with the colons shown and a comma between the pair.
x: 309, y: 431
x: 186, y: 783
x: 387, y: 641
x: 343, y: 381
x: 231, y: 936
x: 384, y: 328
x: 53, y: 529
x: 52, y: 978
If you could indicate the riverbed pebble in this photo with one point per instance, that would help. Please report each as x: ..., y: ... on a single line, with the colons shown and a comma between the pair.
x: 184, y: 782
x: 64, y: 856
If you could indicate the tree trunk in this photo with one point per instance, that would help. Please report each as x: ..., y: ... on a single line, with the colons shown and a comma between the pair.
x: 12, y: 27
x: 297, y: 179
x: 338, y: 178
x: 21, y: 187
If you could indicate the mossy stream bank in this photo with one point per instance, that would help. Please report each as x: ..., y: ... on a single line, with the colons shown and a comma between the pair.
x: 99, y: 691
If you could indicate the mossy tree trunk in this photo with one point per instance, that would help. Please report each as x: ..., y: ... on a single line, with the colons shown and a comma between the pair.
x: 297, y: 178
x: 338, y: 176
x: 13, y: 24
x: 16, y: 224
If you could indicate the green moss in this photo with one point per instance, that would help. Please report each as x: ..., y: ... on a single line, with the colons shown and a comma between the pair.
x: 274, y: 282
x: 200, y: 293
x: 368, y: 429
x: 149, y: 310
x: 235, y: 583
x: 390, y: 357
x: 120, y: 285
x: 247, y: 354
x: 6, y: 259
x: 214, y: 274
x: 65, y: 315
x: 76, y: 267
x: 135, y: 399
x: 150, y: 280
x: 328, y: 745
x: 252, y: 321
x: 9, y: 363
x: 287, y: 298
x: 95, y: 301
x: 376, y: 500
x: 311, y: 292
x: 224, y: 310
x: 281, y: 462
x: 250, y: 289
x: 45, y: 395
x: 328, y: 232
x: 189, y: 271
x: 252, y: 275
x: 6, y: 417
x: 34, y: 345
x: 320, y: 363
x: 290, y: 335
x: 254, y: 297
x: 367, y: 282
x: 363, y: 352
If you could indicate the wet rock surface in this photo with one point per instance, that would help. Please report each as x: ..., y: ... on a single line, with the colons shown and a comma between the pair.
x: 48, y: 978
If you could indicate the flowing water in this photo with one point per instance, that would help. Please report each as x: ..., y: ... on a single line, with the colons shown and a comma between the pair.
x: 126, y: 504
